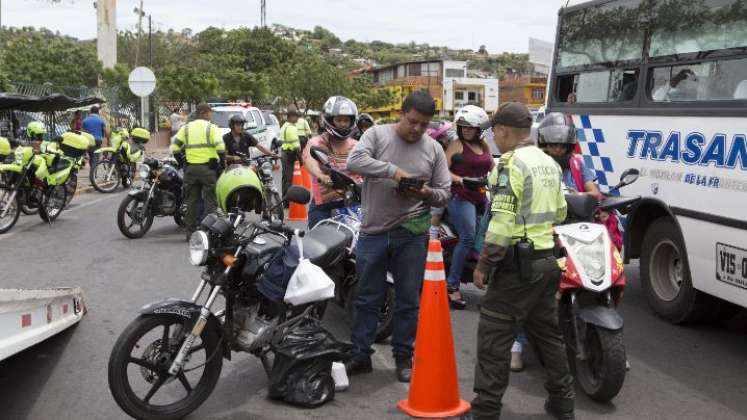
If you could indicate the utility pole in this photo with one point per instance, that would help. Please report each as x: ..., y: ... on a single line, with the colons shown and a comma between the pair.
x: 150, y: 42
x: 263, y: 12
x: 140, y: 14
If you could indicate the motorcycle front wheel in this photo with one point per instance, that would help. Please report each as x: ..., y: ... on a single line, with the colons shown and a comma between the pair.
x: 134, y: 219
x: 140, y: 360
x: 602, y: 374
x: 11, y: 207
x: 104, y: 176
x: 71, y: 185
x: 52, y: 203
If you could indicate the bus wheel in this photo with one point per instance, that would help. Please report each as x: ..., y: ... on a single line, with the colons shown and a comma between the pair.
x: 665, y: 275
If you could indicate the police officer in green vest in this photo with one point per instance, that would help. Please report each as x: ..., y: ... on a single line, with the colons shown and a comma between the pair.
x: 290, y: 147
x: 304, y: 132
x: 518, y: 257
x: 203, y: 151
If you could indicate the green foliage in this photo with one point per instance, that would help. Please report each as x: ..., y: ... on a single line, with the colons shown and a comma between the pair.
x: 39, y: 56
x: 500, y: 65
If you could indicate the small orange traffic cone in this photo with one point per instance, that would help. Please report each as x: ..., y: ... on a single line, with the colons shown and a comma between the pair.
x: 297, y: 212
x: 434, y: 389
x: 306, y: 178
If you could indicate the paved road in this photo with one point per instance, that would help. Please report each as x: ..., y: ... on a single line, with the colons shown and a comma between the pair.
x: 695, y: 372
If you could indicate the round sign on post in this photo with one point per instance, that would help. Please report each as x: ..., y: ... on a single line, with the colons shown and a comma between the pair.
x: 142, y: 81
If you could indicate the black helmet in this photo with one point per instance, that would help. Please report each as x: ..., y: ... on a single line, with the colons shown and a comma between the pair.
x: 556, y: 128
x: 365, y: 118
x: 339, y: 106
x: 236, y: 119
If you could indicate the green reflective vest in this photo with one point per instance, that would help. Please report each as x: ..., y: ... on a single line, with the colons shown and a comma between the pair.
x: 200, y: 140
x: 527, y: 196
x: 304, y: 130
x: 289, y: 137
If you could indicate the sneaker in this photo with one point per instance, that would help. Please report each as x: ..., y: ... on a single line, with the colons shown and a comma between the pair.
x: 517, y: 361
x: 355, y: 366
x: 404, y: 369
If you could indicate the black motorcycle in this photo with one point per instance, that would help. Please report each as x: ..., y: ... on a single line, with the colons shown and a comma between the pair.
x: 161, y: 194
x: 263, y: 165
x: 168, y: 360
x: 345, y: 223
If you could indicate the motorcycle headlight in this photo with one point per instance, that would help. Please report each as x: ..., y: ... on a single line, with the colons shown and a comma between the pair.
x: 143, y: 171
x: 589, y: 255
x: 199, y: 245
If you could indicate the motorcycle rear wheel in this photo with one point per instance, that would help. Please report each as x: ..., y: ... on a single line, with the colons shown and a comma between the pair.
x: 150, y: 365
x: 132, y: 208
x: 601, y: 376
x: 14, y: 210
x: 103, y: 178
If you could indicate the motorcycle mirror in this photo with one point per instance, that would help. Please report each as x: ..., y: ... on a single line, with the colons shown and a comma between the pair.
x: 457, y: 159
x: 319, y: 155
x: 628, y: 177
x: 298, y: 195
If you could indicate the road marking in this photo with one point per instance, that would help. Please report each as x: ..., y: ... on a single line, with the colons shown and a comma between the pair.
x: 76, y: 208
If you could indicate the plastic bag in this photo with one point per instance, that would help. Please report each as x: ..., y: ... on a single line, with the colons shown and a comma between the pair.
x: 302, y: 370
x: 309, y: 283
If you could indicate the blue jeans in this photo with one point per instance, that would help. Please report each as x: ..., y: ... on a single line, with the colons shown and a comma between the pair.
x: 403, y: 254
x: 463, y: 216
x: 322, y: 211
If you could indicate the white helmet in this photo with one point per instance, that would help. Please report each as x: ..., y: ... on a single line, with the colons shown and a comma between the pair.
x: 471, y: 116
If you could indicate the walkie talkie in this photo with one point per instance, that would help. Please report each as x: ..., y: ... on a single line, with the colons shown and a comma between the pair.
x: 525, y: 255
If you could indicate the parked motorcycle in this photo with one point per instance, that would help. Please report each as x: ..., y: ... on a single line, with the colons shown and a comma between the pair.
x: 263, y: 165
x: 161, y: 194
x: 116, y: 164
x: 591, y: 288
x: 38, y: 181
x: 180, y: 344
x: 346, y: 222
x: 53, y: 147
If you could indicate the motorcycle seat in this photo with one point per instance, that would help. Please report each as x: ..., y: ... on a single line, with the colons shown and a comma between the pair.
x: 324, y: 245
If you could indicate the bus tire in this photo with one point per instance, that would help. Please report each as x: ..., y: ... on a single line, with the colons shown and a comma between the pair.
x: 665, y: 275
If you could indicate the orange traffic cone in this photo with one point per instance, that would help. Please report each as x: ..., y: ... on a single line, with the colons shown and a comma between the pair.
x: 434, y: 389
x: 297, y: 212
x: 306, y: 178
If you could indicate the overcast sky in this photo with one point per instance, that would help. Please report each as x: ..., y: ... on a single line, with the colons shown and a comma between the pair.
x: 501, y: 25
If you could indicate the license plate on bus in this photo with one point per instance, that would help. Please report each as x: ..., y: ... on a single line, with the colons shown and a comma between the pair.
x: 731, y: 265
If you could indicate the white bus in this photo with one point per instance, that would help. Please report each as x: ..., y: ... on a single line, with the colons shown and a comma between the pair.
x: 661, y: 85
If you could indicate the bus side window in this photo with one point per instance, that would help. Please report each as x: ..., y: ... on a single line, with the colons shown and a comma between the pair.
x: 566, y: 88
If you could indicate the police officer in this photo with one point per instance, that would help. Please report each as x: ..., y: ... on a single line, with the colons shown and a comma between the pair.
x: 290, y: 147
x: 304, y: 131
x: 527, y: 199
x: 202, y: 146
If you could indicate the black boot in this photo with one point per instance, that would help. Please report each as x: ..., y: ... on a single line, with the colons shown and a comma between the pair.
x: 358, y: 365
x: 560, y: 408
x: 404, y: 369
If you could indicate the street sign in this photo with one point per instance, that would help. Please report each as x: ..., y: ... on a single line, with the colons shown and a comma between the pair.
x: 142, y: 81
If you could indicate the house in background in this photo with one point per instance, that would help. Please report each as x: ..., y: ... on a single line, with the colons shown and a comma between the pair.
x: 446, y: 80
x: 529, y: 90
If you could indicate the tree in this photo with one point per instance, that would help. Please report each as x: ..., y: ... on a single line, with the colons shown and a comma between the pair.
x: 28, y: 55
x: 310, y: 80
